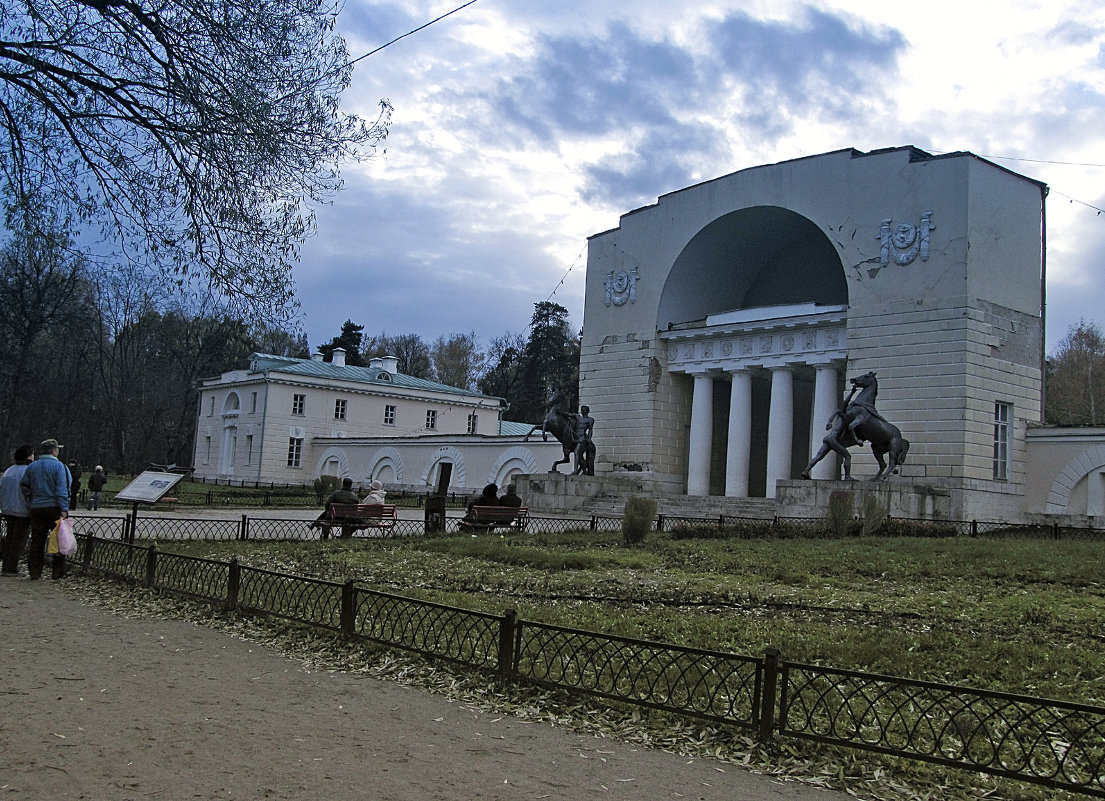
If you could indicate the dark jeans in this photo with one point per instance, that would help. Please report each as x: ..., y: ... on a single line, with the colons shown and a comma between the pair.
x: 18, y: 530
x: 43, y: 521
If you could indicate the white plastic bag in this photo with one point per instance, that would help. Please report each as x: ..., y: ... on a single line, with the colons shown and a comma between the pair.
x: 67, y: 543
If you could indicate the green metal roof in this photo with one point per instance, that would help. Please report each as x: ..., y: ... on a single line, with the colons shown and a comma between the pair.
x: 509, y: 428
x: 309, y: 368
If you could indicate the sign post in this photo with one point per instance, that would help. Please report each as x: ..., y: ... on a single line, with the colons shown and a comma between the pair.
x: 149, y: 486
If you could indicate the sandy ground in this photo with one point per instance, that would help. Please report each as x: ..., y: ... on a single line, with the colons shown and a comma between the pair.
x: 98, y: 706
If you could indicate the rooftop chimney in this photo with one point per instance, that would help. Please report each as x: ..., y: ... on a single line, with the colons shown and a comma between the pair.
x: 317, y: 356
x: 338, y: 357
x: 388, y: 364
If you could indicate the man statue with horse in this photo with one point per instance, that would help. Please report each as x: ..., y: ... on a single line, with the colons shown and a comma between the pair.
x: 572, y: 431
x: 857, y: 422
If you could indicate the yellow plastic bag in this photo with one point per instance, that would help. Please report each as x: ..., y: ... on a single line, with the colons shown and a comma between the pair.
x: 52, y: 545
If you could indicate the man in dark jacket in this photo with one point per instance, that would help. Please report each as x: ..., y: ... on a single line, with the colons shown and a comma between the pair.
x: 96, y: 483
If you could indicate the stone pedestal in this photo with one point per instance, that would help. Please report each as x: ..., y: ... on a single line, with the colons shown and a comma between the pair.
x: 922, y: 500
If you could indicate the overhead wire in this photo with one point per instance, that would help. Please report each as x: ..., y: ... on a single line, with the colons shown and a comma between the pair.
x: 411, y: 32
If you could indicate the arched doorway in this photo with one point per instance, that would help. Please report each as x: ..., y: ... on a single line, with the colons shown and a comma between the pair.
x: 754, y: 311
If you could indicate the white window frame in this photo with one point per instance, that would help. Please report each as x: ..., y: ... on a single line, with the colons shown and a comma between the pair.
x: 431, y: 419
x: 389, y: 414
x: 473, y: 422
x: 295, y: 451
x: 341, y: 407
x: 299, y: 404
x: 1003, y: 439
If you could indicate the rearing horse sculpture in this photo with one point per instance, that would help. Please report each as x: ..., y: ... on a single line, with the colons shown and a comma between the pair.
x: 560, y: 422
x: 858, y: 422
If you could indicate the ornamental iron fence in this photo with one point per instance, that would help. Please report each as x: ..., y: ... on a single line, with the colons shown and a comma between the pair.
x: 1043, y: 741
x: 1051, y: 743
x: 167, y: 527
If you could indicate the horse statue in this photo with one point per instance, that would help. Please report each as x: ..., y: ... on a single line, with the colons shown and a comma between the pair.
x: 858, y: 422
x: 561, y: 423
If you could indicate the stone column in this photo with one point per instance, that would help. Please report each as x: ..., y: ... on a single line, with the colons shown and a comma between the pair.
x: 702, y: 435
x: 826, y: 400
x: 740, y: 435
x: 780, y: 426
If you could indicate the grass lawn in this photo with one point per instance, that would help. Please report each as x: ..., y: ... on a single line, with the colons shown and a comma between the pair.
x: 1020, y: 615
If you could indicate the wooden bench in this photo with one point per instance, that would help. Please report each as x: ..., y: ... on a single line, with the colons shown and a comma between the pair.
x: 351, y: 517
x: 486, y: 518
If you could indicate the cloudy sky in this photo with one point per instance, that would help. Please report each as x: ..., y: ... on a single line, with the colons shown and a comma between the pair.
x: 521, y: 127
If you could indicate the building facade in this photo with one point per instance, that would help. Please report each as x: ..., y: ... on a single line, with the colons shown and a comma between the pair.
x: 289, y: 421
x: 722, y: 322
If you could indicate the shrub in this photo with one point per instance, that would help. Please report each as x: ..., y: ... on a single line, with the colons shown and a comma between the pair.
x: 840, y: 512
x: 637, y: 521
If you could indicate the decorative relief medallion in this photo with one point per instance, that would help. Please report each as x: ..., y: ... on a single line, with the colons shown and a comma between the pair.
x: 904, y: 242
x: 766, y: 344
x: 688, y: 351
x: 727, y: 348
x: 788, y: 342
x: 746, y: 346
x: 707, y: 350
x: 832, y: 338
x: 621, y: 287
x: 811, y: 340
x: 673, y: 353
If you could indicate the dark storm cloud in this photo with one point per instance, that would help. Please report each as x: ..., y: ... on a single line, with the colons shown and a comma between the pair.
x: 663, y: 159
x: 593, y: 86
x: 821, y: 62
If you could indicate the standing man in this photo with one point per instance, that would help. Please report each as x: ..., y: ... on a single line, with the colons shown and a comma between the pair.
x: 46, y: 485
x: 14, y: 506
x: 96, y: 483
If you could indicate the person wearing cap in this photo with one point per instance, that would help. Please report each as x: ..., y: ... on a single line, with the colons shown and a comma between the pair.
x: 376, y: 493
x: 46, y: 484
x: 17, y: 519
x: 96, y: 483
x: 344, y: 495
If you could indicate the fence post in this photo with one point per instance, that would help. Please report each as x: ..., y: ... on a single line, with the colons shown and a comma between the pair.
x: 659, y: 522
x: 507, y: 628
x: 151, y: 566
x: 348, y: 608
x: 594, y: 522
x: 974, y: 528
x: 233, y: 584
x: 1055, y: 531
x: 769, y: 694
x: 243, y: 528
x: 89, y: 546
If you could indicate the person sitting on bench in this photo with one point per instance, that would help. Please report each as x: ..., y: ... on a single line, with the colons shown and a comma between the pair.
x: 344, y: 495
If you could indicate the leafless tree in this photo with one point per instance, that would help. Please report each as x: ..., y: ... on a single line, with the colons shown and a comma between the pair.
x: 196, y: 133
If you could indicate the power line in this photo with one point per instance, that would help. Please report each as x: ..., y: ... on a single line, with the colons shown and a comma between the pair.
x: 408, y: 33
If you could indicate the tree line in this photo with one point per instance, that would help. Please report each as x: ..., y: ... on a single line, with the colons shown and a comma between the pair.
x: 108, y: 361
x: 525, y: 369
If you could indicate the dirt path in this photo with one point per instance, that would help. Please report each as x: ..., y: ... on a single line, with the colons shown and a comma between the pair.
x: 101, y: 707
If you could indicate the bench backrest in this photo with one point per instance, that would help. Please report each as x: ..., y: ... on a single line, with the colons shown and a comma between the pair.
x: 498, y: 514
x: 362, y: 510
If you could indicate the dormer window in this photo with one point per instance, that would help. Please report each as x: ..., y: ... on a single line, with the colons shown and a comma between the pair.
x: 384, y: 376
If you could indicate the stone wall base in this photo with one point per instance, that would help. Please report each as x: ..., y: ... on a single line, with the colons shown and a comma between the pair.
x: 914, y: 498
